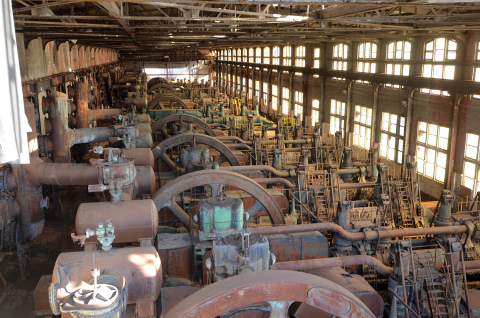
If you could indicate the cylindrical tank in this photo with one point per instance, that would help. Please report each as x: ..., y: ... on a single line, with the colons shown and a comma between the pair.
x: 132, y: 219
x: 141, y: 267
x: 141, y: 156
x: 146, y: 180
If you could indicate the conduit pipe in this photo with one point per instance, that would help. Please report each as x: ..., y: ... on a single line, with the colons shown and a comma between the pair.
x: 359, y: 236
x: 284, y: 182
x: 278, y: 173
x: 334, y: 261
x: 39, y: 172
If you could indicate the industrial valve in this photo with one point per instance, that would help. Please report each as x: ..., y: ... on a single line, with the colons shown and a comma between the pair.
x: 117, y: 175
x: 105, y: 235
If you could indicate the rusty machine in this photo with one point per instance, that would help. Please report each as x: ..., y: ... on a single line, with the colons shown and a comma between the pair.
x: 212, y: 203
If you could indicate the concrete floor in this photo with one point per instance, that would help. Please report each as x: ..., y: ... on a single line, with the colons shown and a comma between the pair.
x: 16, y: 300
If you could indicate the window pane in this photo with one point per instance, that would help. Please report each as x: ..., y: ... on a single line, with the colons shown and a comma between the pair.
x: 429, y: 169
x: 449, y: 72
x: 440, y: 174
x: 469, y: 170
x: 443, y: 140
x: 427, y: 70
x: 441, y: 159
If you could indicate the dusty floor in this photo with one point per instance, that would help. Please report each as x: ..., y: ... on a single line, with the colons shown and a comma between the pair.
x: 16, y: 300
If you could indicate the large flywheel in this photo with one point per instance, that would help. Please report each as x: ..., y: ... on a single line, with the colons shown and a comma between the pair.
x: 277, y: 288
x: 216, y: 180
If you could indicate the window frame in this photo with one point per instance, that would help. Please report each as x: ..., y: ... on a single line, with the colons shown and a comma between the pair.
x: 274, y: 97
x: 298, y: 104
x: 399, y: 134
x: 340, y: 63
x: 429, y: 149
x: 286, y: 101
x: 338, y: 114
x: 364, y: 61
x: 300, y: 57
x: 258, y: 57
x: 434, y: 64
x: 362, y: 131
x: 275, y: 56
x: 473, y: 161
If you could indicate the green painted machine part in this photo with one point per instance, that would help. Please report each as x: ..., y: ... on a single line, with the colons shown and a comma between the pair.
x: 220, y: 217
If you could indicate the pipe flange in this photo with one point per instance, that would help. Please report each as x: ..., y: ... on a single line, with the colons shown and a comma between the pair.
x: 5, y: 173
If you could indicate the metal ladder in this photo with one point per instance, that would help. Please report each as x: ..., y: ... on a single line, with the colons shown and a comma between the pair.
x: 404, y: 204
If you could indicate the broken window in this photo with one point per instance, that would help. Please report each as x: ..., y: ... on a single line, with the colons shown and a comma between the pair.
x: 337, y: 117
x: 391, y: 137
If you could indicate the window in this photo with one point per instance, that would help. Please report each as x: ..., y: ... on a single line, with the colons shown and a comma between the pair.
x: 266, y: 55
x: 250, y: 55
x: 250, y: 89
x: 340, y: 54
x: 471, y: 163
x: 285, y: 100
x: 276, y: 56
x: 367, y: 53
x: 274, y: 97
x: 234, y: 55
x: 316, y: 59
x: 244, y: 84
x: 287, y: 56
x: 230, y: 55
x: 397, y: 52
x: 315, y: 111
x: 245, y: 55
x: 258, y: 55
x: 300, y: 57
x: 432, y: 146
x: 438, y: 52
x: 298, y: 101
x: 265, y: 93
x: 239, y: 84
x: 477, y: 69
x: 391, y: 137
x: 362, y: 127
x: 337, y: 117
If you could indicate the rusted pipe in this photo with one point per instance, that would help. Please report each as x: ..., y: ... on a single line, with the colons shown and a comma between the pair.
x: 238, y: 139
x: 356, y: 185
x: 80, y: 97
x: 282, y: 181
x: 358, y: 236
x: 103, y: 114
x: 86, y: 135
x: 334, y: 261
x: 56, y: 106
x: 28, y: 196
x: 239, y: 146
x: 278, y: 173
x: 141, y: 156
x: 219, y: 125
x: 40, y: 172
x: 472, y: 265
